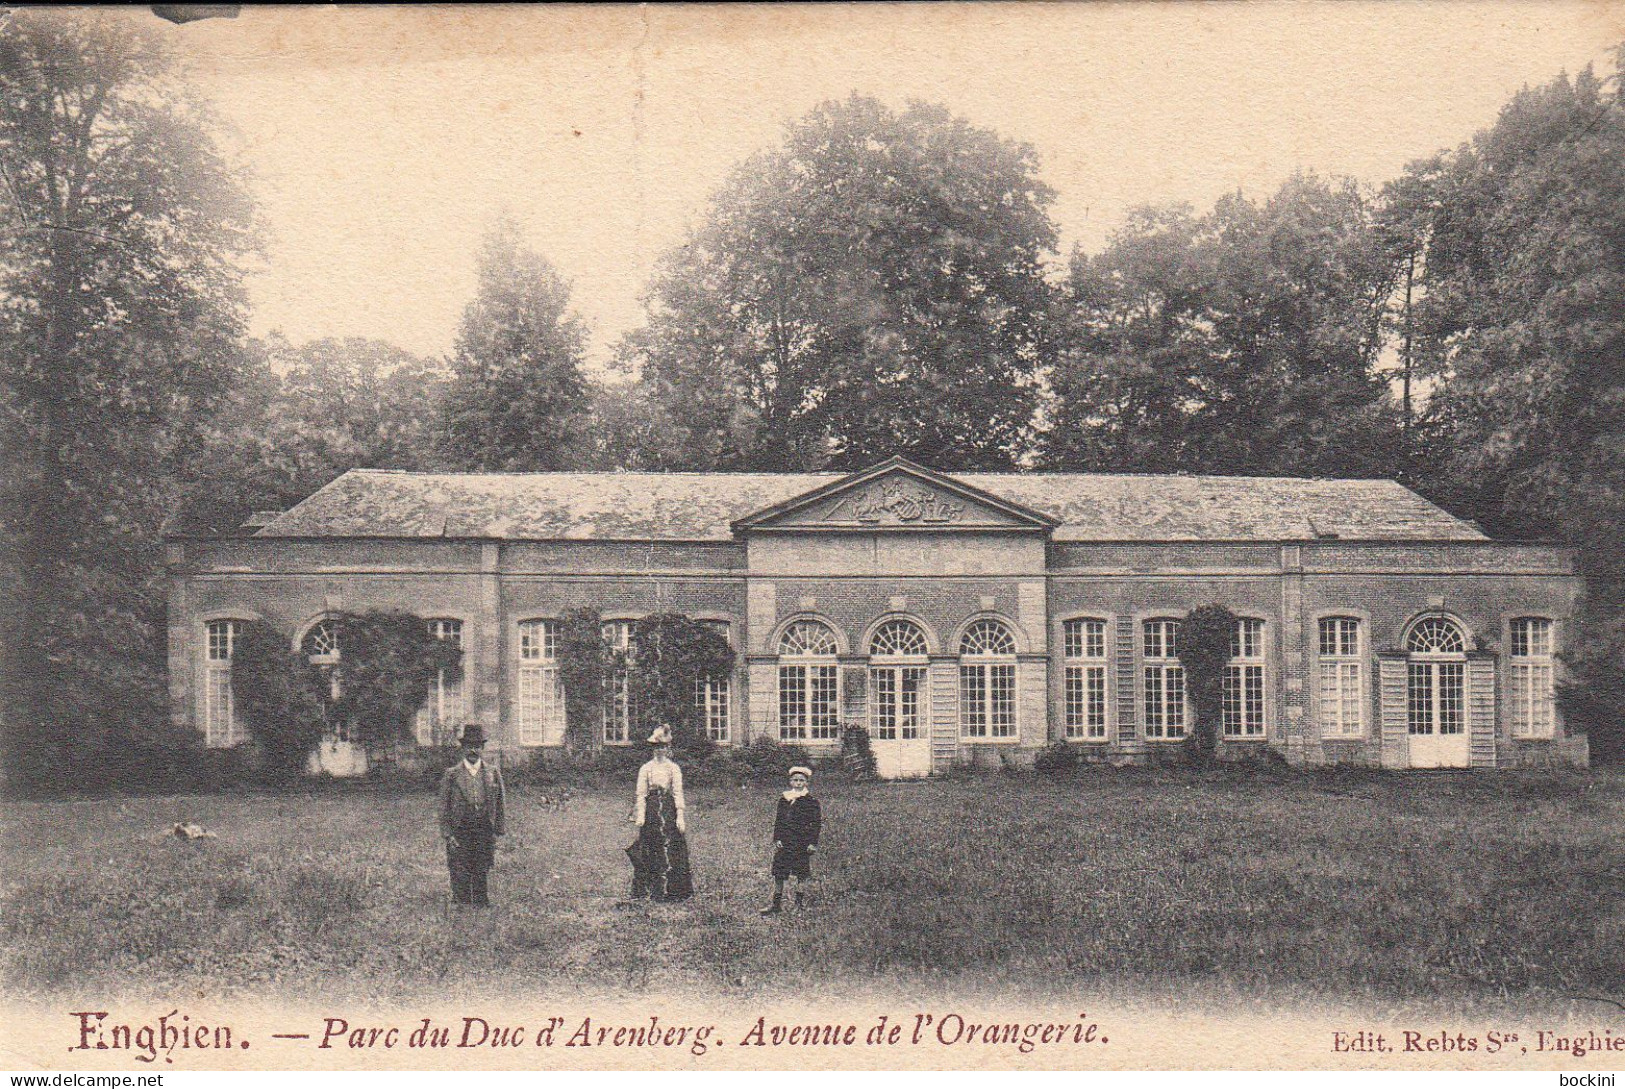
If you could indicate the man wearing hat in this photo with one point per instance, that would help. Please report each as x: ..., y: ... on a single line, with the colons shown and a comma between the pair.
x: 471, y: 819
x: 795, y: 837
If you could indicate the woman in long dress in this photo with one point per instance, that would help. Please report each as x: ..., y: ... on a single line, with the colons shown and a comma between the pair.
x: 660, y: 856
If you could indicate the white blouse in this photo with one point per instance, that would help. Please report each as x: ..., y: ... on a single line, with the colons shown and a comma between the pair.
x: 664, y: 774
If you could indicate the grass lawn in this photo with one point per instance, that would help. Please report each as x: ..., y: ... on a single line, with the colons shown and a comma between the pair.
x: 1347, y: 888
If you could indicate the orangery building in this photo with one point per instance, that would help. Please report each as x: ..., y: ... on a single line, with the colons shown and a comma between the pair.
x: 962, y: 618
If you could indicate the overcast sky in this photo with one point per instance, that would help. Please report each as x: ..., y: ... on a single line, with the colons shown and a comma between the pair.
x: 381, y: 141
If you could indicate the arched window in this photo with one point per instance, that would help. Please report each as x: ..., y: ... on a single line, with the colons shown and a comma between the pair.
x: 809, y: 683
x: 807, y: 638
x: 1342, y: 678
x: 442, y: 712
x: 987, y: 682
x: 1436, y: 635
x: 220, y: 726
x: 617, y: 683
x: 1242, y: 708
x: 1435, y: 689
x: 541, y: 695
x: 1164, y: 680
x: 897, y: 681
x: 712, y: 698
x: 1083, y: 645
x: 1530, y: 665
x: 321, y: 642
x: 898, y: 639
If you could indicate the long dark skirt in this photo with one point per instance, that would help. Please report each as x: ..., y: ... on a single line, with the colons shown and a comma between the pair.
x: 660, y: 856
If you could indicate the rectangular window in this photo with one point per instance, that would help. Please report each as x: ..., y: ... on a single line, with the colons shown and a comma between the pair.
x: 442, y: 710
x: 1164, y: 681
x: 1342, y: 703
x: 1419, y: 710
x: 973, y: 701
x: 792, y: 703
x: 1531, y: 678
x: 824, y: 714
x: 1002, y: 707
x: 617, y: 684
x: 883, y: 703
x: 711, y: 703
x: 541, y: 694
x: 1436, y: 700
x: 1247, y: 641
x: 1243, y: 707
x: 713, y: 699
x: 1161, y: 639
x: 809, y: 703
x: 220, y: 726
x: 1242, y: 702
x: 987, y: 700
x: 895, y: 705
x: 1084, y: 697
x: 909, y: 717
x: 1452, y: 697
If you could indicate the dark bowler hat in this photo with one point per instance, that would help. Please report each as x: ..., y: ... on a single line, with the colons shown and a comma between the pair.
x: 473, y: 736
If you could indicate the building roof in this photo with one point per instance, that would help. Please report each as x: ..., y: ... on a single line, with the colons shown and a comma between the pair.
x: 702, y: 506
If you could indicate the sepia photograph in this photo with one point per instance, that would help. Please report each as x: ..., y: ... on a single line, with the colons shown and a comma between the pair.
x: 674, y: 537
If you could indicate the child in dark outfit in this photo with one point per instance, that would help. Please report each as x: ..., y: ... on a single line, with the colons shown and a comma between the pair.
x: 795, y: 837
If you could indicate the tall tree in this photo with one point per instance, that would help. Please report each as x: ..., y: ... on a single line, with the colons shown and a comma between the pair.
x: 517, y: 392
x: 1243, y: 341
x: 872, y: 286
x: 1134, y: 349
x: 121, y: 232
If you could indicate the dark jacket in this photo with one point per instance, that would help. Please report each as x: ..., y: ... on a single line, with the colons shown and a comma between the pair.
x: 798, y: 823
x: 458, y: 797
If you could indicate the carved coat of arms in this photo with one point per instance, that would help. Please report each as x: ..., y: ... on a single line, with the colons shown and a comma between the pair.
x: 897, y: 503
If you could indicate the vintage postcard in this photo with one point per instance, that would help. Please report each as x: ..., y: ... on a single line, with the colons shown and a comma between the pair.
x: 840, y: 537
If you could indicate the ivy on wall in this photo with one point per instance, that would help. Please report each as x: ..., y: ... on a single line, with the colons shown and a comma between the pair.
x: 671, y: 655
x: 1204, y: 652
x: 387, y: 661
x: 278, y: 695
x: 668, y: 656
x: 857, y: 752
x: 583, y: 664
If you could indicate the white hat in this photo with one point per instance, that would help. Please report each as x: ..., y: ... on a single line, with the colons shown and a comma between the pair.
x: 799, y: 770
x: 661, y: 736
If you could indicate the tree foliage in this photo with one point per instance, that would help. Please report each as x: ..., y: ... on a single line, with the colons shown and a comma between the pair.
x: 671, y: 655
x: 1244, y: 341
x: 122, y: 230
x: 584, y: 663
x: 1205, y: 638
x: 517, y: 392
x: 1521, y: 321
x: 300, y: 416
x: 871, y: 287
x: 278, y: 695
x: 627, y: 428
x: 388, y: 661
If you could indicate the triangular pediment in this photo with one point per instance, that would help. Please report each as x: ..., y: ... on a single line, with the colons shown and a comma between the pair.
x: 896, y: 495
